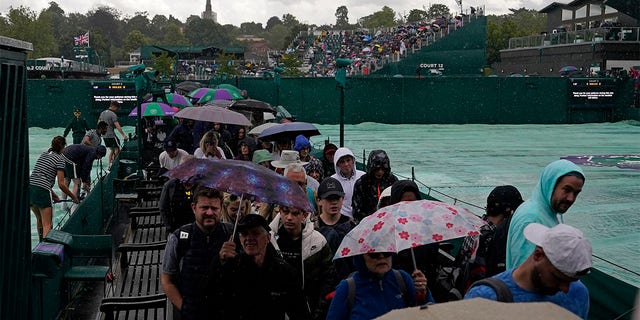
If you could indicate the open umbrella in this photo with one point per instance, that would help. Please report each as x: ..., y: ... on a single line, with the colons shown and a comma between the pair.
x: 243, y: 178
x: 217, y: 94
x: 289, y: 131
x: 153, y: 109
x: 256, y: 131
x: 567, y: 69
x: 406, y: 225
x: 177, y: 100
x: 213, y: 114
x: 489, y: 309
x: 252, y: 105
x: 186, y: 87
x: 230, y: 88
x: 220, y: 103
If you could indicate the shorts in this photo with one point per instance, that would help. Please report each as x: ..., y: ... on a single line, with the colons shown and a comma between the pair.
x: 70, y: 171
x: 40, y: 197
x: 111, y: 142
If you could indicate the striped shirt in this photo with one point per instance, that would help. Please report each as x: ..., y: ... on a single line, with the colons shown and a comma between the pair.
x: 46, y: 169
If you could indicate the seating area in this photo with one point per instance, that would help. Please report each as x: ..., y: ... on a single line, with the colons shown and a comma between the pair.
x: 137, y: 290
x: 368, y: 49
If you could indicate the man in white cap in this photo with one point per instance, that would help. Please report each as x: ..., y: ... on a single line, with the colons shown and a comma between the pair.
x: 562, y: 255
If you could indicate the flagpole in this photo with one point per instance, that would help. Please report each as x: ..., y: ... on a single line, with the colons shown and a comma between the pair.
x: 88, y: 40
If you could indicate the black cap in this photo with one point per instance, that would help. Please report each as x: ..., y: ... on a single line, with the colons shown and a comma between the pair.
x: 251, y: 221
x: 170, y: 145
x: 502, y: 198
x: 330, y: 187
x: 76, y: 110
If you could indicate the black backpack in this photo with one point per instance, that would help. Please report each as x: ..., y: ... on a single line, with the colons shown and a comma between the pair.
x: 502, y: 291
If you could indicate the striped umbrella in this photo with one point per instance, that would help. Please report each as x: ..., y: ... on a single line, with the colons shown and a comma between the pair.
x: 154, y: 109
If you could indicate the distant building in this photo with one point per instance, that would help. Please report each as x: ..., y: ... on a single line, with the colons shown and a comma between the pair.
x: 595, y: 36
x: 208, y: 13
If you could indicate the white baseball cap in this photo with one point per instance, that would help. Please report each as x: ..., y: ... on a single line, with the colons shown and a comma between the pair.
x: 565, y: 246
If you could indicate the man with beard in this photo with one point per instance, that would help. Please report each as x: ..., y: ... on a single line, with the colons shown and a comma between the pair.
x: 560, y: 183
x: 561, y: 256
x: 189, y: 252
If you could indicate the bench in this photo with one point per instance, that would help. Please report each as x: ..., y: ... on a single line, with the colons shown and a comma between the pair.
x: 86, y: 256
x: 112, y: 306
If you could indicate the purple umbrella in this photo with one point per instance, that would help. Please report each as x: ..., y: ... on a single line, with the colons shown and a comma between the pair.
x: 153, y: 109
x: 177, y: 100
x: 243, y: 178
x: 213, y: 114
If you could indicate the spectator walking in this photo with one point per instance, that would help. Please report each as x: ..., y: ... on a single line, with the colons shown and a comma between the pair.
x: 561, y: 256
x: 560, y: 183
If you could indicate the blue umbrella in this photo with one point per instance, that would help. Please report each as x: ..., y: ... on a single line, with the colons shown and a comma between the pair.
x: 289, y: 131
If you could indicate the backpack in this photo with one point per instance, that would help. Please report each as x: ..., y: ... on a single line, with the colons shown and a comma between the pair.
x: 502, y: 291
x: 351, y: 282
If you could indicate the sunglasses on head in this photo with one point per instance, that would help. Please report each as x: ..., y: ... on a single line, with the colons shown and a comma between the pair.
x: 376, y: 255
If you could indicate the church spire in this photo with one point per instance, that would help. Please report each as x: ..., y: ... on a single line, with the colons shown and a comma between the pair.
x: 208, y: 13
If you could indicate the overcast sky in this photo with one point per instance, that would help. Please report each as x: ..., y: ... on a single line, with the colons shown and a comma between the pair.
x: 237, y: 11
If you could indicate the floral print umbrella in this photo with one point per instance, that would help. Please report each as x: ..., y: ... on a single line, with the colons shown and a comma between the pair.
x: 243, y: 178
x: 408, y: 224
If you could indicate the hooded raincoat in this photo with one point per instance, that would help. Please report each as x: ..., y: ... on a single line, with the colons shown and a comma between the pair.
x: 537, y: 209
x: 347, y: 182
x: 368, y: 189
x: 373, y: 296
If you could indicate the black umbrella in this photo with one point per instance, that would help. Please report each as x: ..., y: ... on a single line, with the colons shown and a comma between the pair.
x: 252, y: 105
x: 289, y: 131
x: 185, y: 87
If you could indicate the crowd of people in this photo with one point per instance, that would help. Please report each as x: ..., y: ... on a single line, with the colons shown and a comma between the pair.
x: 369, y: 50
x: 282, y: 259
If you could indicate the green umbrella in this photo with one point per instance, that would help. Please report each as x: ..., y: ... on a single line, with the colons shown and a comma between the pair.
x: 230, y: 87
x: 154, y: 109
x: 217, y: 94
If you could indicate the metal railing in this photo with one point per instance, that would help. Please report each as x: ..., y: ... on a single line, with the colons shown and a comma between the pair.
x: 616, y: 34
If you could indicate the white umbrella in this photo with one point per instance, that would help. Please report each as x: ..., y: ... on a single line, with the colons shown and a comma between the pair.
x: 213, y: 114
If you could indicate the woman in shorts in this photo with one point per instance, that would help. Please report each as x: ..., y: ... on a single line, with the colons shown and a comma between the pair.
x: 48, y: 168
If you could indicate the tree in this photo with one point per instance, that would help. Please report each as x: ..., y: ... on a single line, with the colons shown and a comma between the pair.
x: 438, y: 10
x: 23, y: 25
x: 174, y: 36
x: 342, y: 17
x: 134, y: 40
x: 416, y: 15
x: 382, y: 18
x: 291, y: 65
x: 289, y: 21
x: 105, y: 20
x: 205, y: 32
x: 139, y: 22
x: 519, y: 23
x: 225, y: 65
x: 163, y: 64
x: 254, y: 28
x: 272, y: 22
x: 276, y: 37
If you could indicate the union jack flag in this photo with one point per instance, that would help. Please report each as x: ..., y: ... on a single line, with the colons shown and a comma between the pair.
x: 81, y: 39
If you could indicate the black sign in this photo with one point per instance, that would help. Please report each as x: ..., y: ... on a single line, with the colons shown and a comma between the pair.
x: 592, y: 91
x: 106, y: 91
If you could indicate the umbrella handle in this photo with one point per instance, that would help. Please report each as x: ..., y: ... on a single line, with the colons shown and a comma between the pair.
x: 235, y: 225
x: 413, y: 258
